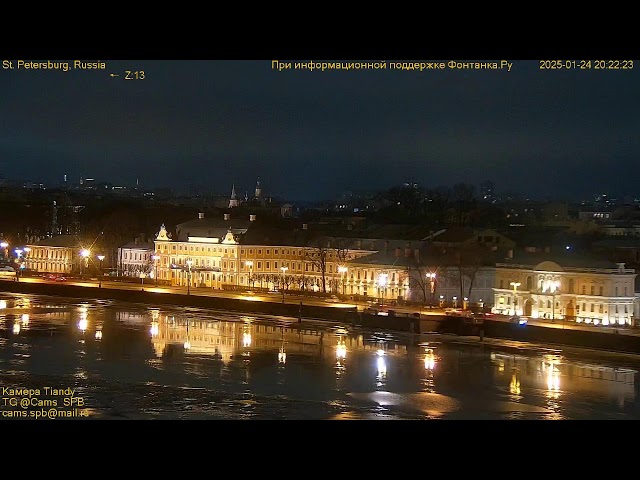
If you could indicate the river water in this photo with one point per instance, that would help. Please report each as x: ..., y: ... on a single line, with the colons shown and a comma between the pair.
x: 69, y: 358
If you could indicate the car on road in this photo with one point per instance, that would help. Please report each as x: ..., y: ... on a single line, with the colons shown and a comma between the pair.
x: 56, y: 277
x: 518, y: 319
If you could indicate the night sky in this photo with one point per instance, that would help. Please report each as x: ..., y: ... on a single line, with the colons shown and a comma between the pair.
x: 311, y: 135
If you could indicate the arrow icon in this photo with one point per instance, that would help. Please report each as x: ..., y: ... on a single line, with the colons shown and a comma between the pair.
x: 114, y: 75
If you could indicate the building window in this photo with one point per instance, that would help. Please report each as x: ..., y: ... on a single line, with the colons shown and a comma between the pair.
x: 260, y: 265
x: 275, y: 251
x: 251, y: 251
x: 268, y: 251
x: 541, y: 304
x: 548, y: 303
x: 601, y: 291
x: 584, y: 289
x: 625, y: 292
x: 572, y: 285
x: 616, y: 293
x: 260, y: 251
x: 593, y: 290
x: 592, y: 308
x: 275, y: 265
x: 600, y: 308
x: 584, y: 307
x: 267, y: 265
x: 501, y: 283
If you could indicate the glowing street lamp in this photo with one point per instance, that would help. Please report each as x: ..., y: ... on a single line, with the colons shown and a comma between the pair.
x: 515, y: 286
x: 284, y: 269
x: 432, y: 283
x: 85, y: 254
x: 554, y: 286
x: 101, y: 258
x: 26, y: 252
x: 5, y: 246
x: 249, y: 264
x: 343, y: 270
x: 155, y: 259
x: 382, y: 283
x: 189, y: 263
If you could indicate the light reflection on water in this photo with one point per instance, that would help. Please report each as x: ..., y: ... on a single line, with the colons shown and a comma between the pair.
x: 134, y: 362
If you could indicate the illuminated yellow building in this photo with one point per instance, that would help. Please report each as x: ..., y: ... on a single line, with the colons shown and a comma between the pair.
x: 222, y: 262
x: 571, y: 288
x: 59, y: 254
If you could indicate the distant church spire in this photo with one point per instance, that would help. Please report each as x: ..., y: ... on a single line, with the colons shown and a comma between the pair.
x: 258, y: 193
x: 233, y: 202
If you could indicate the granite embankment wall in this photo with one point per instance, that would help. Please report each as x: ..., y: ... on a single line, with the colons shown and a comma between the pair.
x: 437, y: 324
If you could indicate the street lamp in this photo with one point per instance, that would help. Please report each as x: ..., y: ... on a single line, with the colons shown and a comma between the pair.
x: 18, y: 255
x: 155, y: 259
x: 189, y: 263
x: 382, y: 283
x: 5, y: 246
x: 343, y: 271
x: 432, y: 283
x: 553, y: 286
x: 249, y: 264
x: 85, y: 254
x: 515, y: 286
x: 101, y: 258
x: 284, y: 269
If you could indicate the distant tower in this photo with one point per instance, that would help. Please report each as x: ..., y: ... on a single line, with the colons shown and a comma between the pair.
x: 233, y: 202
x: 54, y: 217
x: 246, y: 196
x: 258, y: 194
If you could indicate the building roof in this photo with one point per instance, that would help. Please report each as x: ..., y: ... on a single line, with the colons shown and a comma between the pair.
x: 59, y: 241
x: 625, y: 241
x: 211, y: 227
x: 571, y: 259
x: 139, y: 245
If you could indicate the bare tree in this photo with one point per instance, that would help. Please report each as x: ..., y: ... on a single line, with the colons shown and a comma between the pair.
x: 466, y: 261
x: 317, y: 255
x: 287, y: 280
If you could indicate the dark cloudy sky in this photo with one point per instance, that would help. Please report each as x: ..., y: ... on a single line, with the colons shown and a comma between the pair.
x: 311, y: 135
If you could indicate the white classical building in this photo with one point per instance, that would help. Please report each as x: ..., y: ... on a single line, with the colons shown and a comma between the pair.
x: 570, y: 288
x: 135, y: 258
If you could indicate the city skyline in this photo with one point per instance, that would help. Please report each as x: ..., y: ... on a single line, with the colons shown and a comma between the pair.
x: 311, y: 135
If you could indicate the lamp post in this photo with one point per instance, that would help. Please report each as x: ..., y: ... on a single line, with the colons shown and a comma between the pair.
x: 189, y: 263
x: 18, y: 255
x: 85, y: 262
x: 5, y: 246
x: 382, y: 283
x: 249, y: 264
x: 155, y: 259
x: 142, y: 277
x: 515, y: 286
x: 26, y: 254
x: 432, y: 284
x: 101, y: 258
x: 343, y: 271
x: 284, y: 269
x: 554, y: 285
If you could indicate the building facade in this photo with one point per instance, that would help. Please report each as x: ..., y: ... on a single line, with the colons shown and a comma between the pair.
x: 58, y: 254
x: 597, y: 295
x: 135, y: 258
x: 220, y: 263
